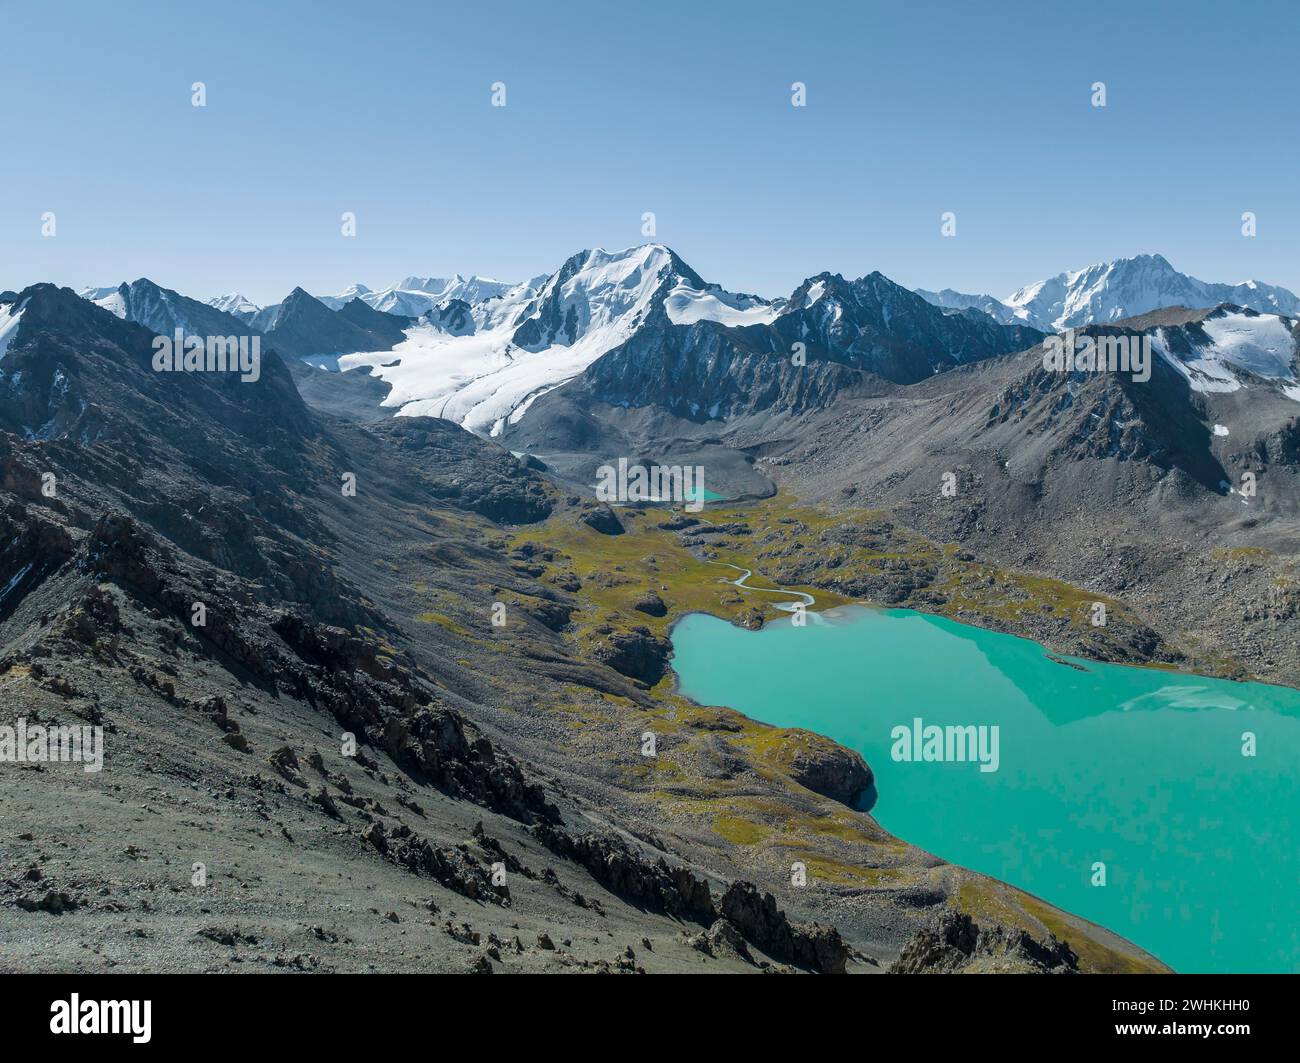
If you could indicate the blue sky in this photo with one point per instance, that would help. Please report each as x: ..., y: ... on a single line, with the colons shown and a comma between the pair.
x: 613, y: 110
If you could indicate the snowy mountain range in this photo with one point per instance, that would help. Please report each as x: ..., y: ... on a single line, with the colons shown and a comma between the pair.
x: 411, y: 297
x: 1111, y: 291
x: 162, y: 309
x: 535, y: 338
x: 416, y: 296
x: 481, y: 351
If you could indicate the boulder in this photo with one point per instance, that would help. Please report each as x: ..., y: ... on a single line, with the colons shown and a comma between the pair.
x: 603, y: 520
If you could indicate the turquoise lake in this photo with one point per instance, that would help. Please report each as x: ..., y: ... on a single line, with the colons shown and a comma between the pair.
x: 1137, y: 768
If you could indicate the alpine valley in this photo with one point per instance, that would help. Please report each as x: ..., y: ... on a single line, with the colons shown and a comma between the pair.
x: 497, y: 640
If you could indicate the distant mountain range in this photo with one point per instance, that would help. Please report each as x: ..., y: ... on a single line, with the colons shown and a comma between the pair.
x: 1111, y: 291
x: 411, y: 297
x: 299, y: 327
x: 644, y: 329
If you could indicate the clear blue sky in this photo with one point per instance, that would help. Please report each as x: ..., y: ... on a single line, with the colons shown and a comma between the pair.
x: 681, y: 108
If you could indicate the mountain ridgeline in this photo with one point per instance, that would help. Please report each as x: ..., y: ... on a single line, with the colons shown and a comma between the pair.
x: 299, y: 327
x: 1112, y: 291
x: 640, y: 329
x: 829, y: 335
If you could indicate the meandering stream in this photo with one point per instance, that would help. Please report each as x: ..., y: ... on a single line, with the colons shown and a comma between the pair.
x: 805, y: 598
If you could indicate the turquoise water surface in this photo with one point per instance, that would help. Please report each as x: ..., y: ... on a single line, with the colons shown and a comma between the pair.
x: 1139, y: 769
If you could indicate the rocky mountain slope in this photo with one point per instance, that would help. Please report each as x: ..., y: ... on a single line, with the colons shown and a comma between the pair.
x: 1179, y: 496
x: 849, y: 336
x: 382, y: 329
x: 302, y: 327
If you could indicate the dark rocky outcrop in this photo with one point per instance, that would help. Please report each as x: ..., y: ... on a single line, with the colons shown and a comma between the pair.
x: 621, y: 869
x: 638, y: 654
x: 958, y: 943
x: 435, y: 742
x: 826, y: 767
x: 603, y: 520
x: 452, y: 867
x: 721, y: 940
x: 384, y: 330
x: 812, y: 946
x: 651, y: 604
x: 454, y: 316
x: 462, y: 470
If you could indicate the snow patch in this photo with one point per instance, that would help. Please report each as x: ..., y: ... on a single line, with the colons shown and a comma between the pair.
x: 9, y: 318
x: 111, y: 300
x: 17, y: 579
x: 687, y: 305
x: 1260, y: 343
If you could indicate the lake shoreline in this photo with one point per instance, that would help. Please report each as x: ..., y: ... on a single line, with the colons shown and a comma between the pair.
x: 1057, y: 656
x: 1152, y: 691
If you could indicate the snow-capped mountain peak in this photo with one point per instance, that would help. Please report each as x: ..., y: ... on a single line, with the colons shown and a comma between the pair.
x: 600, y: 292
x: 339, y: 301
x: 532, y: 337
x: 162, y: 309
x: 432, y: 285
x: 236, y: 304
x: 1108, y: 291
x: 1111, y: 291
x: 987, y: 304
